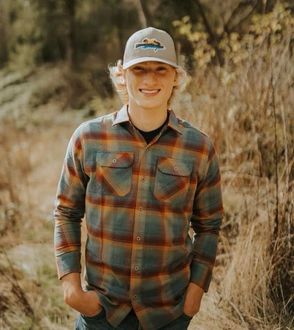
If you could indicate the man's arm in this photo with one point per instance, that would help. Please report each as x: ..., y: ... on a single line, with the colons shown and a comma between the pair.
x: 85, y: 302
x: 68, y: 214
x: 206, y: 222
x: 193, y: 299
x: 69, y: 210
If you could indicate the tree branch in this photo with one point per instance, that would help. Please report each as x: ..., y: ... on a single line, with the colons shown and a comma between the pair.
x: 242, y: 6
x: 145, y: 13
x: 212, y: 35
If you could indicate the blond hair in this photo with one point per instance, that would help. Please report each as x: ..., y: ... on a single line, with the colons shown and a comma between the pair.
x: 117, y: 78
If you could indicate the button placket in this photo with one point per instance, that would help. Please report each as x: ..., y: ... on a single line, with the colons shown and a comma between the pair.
x: 138, y: 229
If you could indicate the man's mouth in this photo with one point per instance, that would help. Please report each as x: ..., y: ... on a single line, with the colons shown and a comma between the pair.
x: 149, y: 91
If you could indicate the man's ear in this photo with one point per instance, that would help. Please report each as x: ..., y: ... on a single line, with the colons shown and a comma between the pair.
x: 180, y: 78
x: 123, y: 77
x: 121, y: 73
x: 176, y: 81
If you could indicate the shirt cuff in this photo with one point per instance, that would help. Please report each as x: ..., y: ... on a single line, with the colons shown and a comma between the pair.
x: 201, y: 275
x: 68, y: 263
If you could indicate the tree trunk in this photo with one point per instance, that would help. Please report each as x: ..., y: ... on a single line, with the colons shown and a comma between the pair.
x: 70, y: 8
x: 212, y: 37
x: 3, y: 34
x: 145, y: 15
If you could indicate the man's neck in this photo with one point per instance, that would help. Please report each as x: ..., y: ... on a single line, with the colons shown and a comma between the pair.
x: 147, y: 119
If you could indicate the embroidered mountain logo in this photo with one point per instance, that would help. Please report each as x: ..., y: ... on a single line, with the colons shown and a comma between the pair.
x: 150, y: 44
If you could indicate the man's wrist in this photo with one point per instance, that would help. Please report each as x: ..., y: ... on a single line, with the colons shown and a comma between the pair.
x: 72, y: 288
x: 196, y: 287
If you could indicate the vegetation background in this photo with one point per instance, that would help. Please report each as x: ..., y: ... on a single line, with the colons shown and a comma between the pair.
x: 54, y: 56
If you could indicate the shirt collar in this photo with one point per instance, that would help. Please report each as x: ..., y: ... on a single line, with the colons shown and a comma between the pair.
x: 122, y: 116
x: 174, y: 122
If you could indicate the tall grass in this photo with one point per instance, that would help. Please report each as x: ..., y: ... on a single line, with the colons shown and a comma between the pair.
x: 247, y: 108
x: 30, y: 295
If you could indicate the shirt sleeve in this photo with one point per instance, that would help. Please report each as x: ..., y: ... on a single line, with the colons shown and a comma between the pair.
x: 69, y: 209
x: 206, y: 221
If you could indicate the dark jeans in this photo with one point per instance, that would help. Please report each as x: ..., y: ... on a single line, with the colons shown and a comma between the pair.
x: 131, y: 322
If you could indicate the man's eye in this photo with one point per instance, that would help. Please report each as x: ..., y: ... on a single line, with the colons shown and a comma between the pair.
x: 161, y: 69
x: 138, y: 69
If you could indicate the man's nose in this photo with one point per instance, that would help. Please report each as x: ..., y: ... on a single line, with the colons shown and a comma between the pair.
x: 150, y: 76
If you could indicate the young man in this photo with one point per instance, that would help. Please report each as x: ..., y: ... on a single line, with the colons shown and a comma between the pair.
x: 140, y: 176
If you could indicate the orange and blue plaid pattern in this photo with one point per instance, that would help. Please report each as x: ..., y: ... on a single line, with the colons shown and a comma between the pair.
x: 139, y: 201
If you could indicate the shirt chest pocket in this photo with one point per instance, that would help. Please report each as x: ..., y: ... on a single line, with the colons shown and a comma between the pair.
x: 114, y: 172
x: 172, y: 180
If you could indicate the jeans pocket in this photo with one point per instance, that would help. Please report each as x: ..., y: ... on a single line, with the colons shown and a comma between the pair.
x: 180, y: 323
x: 91, y: 322
x: 95, y: 317
x: 187, y: 317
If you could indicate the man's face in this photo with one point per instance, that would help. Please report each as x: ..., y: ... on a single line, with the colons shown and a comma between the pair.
x: 150, y: 85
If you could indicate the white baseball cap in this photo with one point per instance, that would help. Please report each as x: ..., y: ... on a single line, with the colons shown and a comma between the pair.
x: 150, y: 44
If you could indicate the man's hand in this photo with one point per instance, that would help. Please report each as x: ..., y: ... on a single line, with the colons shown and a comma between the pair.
x: 85, y: 302
x: 193, y: 299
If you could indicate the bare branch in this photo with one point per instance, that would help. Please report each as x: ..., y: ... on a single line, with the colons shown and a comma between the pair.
x: 212, y: 35
x: 242, y: 7
x: 145, y: 13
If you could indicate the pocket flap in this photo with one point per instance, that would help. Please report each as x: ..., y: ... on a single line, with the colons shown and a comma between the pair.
x: 118, y: 159
x: 174, y: 167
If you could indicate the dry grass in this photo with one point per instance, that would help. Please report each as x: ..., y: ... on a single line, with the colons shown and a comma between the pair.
x: 30, y: 294
x: 247, y: 112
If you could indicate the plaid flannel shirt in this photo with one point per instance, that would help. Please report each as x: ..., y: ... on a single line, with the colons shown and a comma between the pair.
x: 139, y: 201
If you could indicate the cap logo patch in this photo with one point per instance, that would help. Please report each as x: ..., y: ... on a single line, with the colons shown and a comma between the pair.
x: 148, y: 43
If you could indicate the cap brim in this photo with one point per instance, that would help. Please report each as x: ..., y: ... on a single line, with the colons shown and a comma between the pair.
x: 148, y: 59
